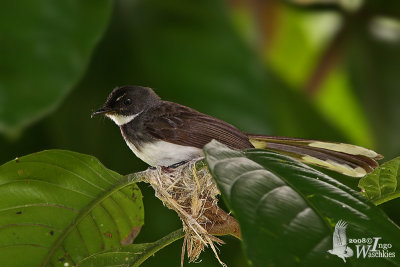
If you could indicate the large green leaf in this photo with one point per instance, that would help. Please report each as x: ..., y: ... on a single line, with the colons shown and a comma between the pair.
x: 287, y: 211
x: 45, y: 47
x: 383, y: 183
x: 58, y: 206
x: 132, y: 255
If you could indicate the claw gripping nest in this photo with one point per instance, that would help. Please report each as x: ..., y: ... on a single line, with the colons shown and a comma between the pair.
x: 190, y: 190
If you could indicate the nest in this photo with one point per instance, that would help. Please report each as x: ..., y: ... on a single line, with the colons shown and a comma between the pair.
x: 190, y: 190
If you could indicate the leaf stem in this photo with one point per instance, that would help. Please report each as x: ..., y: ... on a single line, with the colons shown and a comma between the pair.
x: 159, y: 244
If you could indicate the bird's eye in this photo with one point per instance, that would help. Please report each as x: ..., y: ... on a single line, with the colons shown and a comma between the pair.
x: 127, y: 102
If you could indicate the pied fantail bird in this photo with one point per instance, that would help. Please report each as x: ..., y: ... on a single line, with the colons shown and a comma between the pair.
x: 163, y: 133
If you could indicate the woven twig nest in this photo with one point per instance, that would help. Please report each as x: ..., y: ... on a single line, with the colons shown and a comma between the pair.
x: 190, y: 190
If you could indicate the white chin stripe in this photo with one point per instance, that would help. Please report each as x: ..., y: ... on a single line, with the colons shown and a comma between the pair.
x: 120, y: 119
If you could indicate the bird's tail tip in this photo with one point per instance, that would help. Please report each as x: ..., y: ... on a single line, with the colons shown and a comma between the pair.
x: 347, y: 159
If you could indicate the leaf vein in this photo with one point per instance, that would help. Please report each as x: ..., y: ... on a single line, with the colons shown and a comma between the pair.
x: 66, y: 170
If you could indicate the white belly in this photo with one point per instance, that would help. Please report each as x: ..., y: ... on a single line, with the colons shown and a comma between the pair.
x: 162, y: 153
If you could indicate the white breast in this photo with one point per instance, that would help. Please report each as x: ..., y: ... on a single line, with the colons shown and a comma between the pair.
x: 161, y: 153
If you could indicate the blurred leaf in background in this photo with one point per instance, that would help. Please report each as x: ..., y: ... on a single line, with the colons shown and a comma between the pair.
x: 45, y: 47
x: 334, y: 51
x: 296, y: 68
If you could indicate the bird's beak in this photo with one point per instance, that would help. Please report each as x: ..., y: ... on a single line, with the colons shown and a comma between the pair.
x: 100, y: 112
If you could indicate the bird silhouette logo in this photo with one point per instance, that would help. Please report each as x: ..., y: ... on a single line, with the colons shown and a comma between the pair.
x: 340, y: 247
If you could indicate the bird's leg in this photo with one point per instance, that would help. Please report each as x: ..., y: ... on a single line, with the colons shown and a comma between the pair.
x: 171, y: 168
x: 175, y: 165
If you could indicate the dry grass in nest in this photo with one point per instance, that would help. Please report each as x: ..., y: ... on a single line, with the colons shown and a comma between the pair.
x: 190, y: 190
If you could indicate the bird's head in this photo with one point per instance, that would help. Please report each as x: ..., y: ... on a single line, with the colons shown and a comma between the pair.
x: 126, y: 102
x: 330, y: 251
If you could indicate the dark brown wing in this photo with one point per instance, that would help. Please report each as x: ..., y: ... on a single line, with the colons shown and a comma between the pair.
x: 182, y: 125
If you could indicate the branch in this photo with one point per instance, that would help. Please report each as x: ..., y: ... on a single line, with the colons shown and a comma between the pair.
x: 326, y: 62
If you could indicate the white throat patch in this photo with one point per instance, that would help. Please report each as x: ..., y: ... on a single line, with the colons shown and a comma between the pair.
x: 121, y: 119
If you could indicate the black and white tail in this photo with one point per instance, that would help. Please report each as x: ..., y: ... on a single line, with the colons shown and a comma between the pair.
x: 347, y: 159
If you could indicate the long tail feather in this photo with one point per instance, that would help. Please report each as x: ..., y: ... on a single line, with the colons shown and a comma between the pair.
x: 347, y: 159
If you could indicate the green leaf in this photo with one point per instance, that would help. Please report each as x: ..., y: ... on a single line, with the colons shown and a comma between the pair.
x: 45, y: 47
x: 131, y: 255
x: 59, y: 206
x: 382, y: 184
x: 287, y: 211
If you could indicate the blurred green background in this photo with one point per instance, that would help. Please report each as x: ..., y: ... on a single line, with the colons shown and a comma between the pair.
x: 321, y: 69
